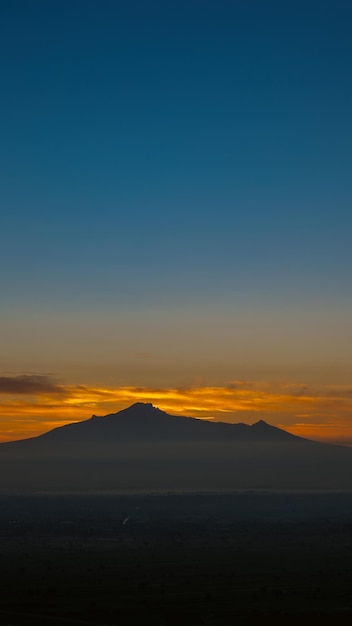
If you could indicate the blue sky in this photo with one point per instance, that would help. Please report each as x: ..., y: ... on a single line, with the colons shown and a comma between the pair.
x: 171, y: 161
x: 214, y: 134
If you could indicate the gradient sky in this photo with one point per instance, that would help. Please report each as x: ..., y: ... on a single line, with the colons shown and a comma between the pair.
x: 176, y: 211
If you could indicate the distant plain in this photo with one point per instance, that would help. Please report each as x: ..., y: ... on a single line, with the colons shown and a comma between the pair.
x: 187, y: 559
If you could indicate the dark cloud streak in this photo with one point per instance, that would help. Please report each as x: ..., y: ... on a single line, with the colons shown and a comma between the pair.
x: 30, y: 385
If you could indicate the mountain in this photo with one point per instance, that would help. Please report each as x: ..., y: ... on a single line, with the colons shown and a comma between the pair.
x: 143, y: 448
x: 143, y: 422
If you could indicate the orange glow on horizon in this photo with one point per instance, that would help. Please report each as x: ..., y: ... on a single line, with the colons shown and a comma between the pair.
x: 31, y: 406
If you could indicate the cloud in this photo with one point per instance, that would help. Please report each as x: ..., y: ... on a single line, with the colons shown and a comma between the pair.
x: 29, y: 384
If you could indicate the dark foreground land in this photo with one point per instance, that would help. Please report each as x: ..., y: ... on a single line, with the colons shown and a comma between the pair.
x: 214, y: 560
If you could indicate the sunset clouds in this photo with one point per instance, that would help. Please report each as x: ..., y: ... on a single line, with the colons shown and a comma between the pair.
x: 31, y: 404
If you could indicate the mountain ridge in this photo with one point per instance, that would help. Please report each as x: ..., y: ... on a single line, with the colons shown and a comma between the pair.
x: 145, y: 422
x: 142, y: 448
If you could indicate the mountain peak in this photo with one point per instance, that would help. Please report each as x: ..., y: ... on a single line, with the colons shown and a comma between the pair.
x: 261, y: 424
x: 140, y: 409
x: 142, y: 405
x: 140, y: 415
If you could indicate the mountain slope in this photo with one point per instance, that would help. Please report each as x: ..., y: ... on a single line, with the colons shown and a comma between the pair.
x: 143, y: 448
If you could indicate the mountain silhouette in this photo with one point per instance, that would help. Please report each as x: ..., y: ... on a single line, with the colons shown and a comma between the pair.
x: 144, y: 422
x: 142, y: 448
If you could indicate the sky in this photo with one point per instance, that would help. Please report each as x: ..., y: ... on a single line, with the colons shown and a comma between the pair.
x: 175, y: 221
